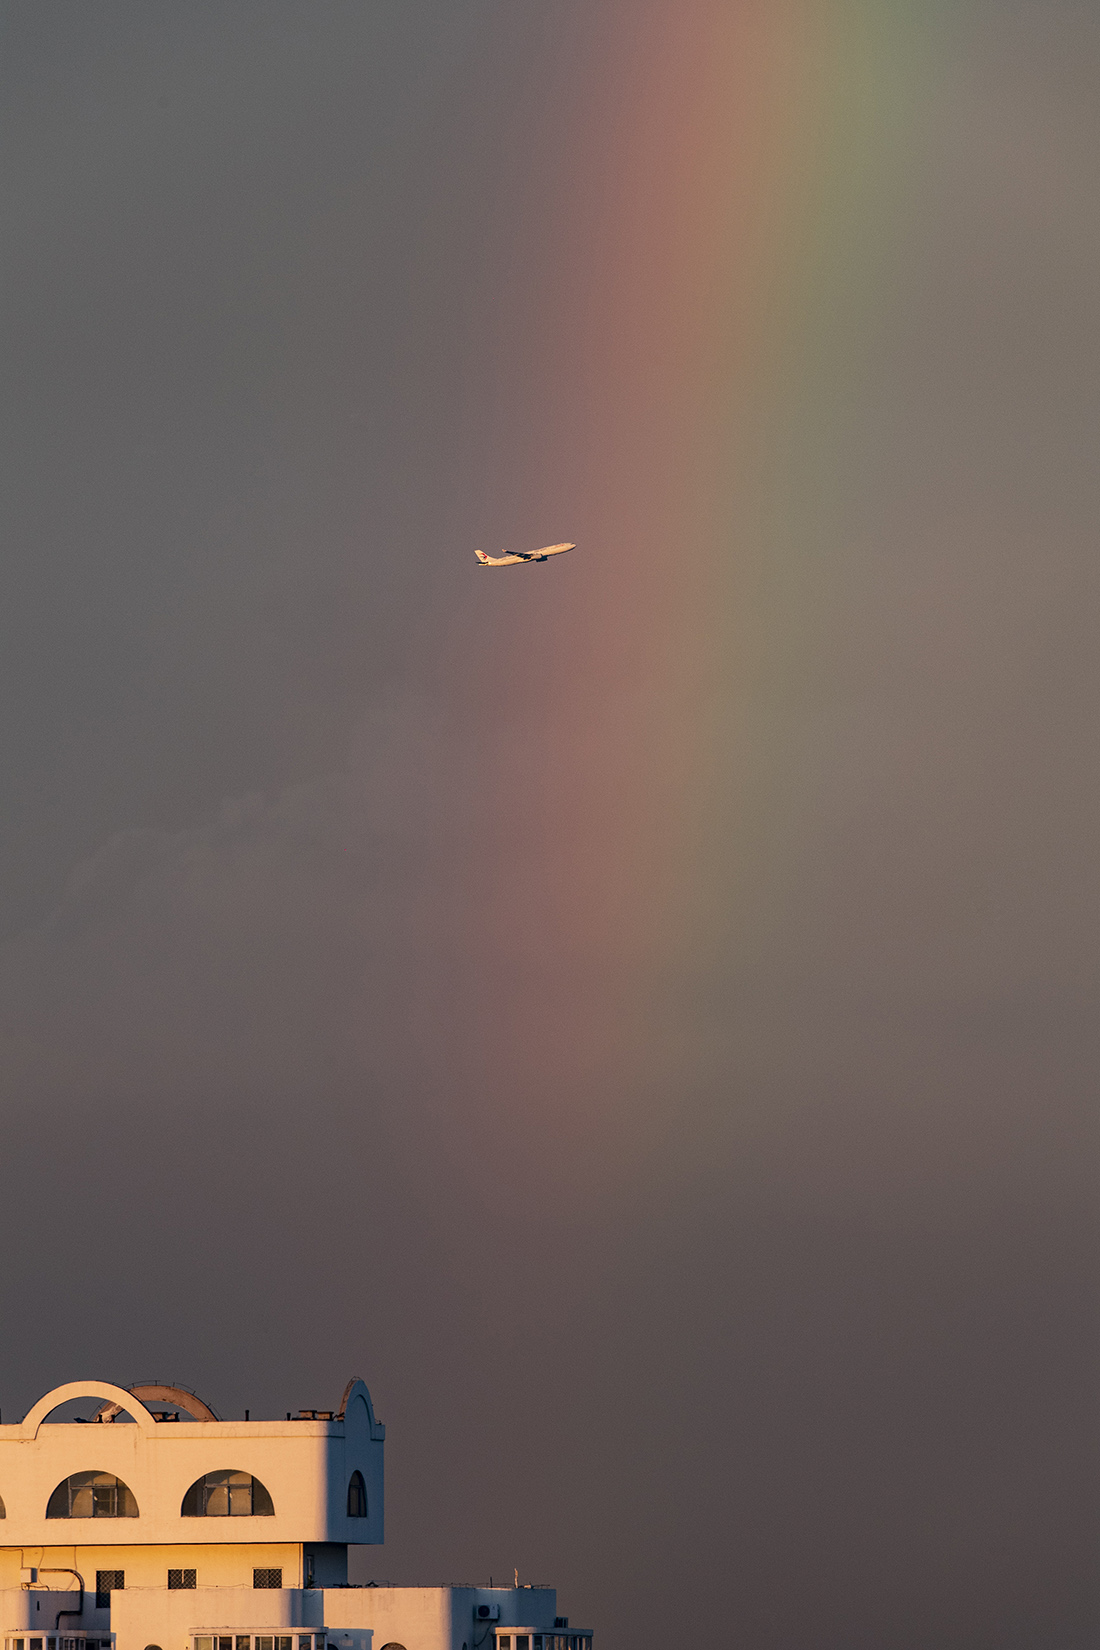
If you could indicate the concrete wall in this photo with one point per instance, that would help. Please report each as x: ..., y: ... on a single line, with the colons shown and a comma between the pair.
x: 154, y: 1616
x: 215, y: 1566
x: 530, y: 1607
x: 36, y: 1612
x: 305, y: 1465
x: 355, y: 1618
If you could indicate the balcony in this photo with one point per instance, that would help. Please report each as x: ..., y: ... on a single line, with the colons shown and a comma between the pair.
x: 252, y: 1641
x: 526, y: 1638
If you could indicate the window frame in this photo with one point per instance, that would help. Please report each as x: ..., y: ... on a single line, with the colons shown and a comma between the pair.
x: 357, y: 1486
x: 124, y: 1499
x: 197, y: 1497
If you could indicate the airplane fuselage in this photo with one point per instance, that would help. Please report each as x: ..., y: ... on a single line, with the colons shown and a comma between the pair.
x: 516, y: 558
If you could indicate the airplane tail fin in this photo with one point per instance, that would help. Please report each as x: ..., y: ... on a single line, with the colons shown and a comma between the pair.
x: 482, y: 557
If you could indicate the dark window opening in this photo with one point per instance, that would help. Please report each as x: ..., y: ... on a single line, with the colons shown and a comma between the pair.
x: 227, y: 1494
x: 357, y: 1496
x: 92, y: 1495
x: 106, y: 1583
x: 181, y: 1581
x: 267, y: 1578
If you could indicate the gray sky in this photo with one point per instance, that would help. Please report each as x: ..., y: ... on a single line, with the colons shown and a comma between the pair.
x: 745, y: 1288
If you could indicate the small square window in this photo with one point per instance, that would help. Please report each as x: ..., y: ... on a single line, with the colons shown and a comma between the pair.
x: 284, y: 1643
x: 242, y: 1641
x: 181, y: 1581
x: 225, y: 1644
x: 267, y: 1578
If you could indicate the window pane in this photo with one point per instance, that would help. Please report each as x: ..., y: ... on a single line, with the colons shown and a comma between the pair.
x: 522, y: 1641
x: 80, y: 1498
x: 285, y: 1642
x: 303, y: 1641
x: 217, y: 1499
x: 36, y: 1644
x: 105, y: 1496
x: 204, y: 1643
x: 240, y: 1495
x: 242, y: 1641
x: 264, y: 1644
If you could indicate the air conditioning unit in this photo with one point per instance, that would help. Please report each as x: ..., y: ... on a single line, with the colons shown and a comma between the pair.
x: 486, y: 1612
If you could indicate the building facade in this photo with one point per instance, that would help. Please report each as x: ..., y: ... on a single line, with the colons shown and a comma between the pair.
x: 157, y: 1526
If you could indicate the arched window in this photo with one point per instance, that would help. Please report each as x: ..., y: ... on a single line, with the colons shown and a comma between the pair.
x: 92, y: 1495
x: 357, y: 1496
x: 227, y: 1494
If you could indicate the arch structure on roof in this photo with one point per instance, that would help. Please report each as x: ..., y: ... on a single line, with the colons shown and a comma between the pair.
x: 40, y: 1412
x: 356, y: 1404
x: 154, y: 1392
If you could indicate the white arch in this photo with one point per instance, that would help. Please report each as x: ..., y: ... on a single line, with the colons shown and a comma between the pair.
x: 87, y: 1389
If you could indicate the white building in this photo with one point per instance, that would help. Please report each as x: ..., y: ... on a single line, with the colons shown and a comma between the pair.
x: 185, y: 1532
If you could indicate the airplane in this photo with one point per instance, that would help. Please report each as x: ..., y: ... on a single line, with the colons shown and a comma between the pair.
x: 514, y: 558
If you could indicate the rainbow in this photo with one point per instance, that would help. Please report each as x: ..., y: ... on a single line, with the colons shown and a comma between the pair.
x: 715, y: 247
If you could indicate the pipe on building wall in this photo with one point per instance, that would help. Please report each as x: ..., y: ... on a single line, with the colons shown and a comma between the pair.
x: 52, y: 1570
